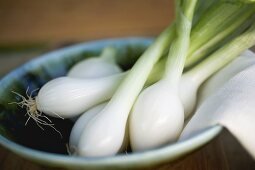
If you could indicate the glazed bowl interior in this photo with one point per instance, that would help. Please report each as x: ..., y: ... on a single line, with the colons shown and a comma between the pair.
x: 47, y: 146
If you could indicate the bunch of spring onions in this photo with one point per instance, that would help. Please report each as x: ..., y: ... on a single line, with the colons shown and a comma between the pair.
x: 146, y: 106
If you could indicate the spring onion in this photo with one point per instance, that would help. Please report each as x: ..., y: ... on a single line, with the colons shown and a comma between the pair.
x: 110, y: 136
x: 157, y: 116
x: 96, y: 67
x: 80, y: 124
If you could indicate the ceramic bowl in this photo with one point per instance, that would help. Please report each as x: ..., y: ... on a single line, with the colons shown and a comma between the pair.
x: 46, y: 146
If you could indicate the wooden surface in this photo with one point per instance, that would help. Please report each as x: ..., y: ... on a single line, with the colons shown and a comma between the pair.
x: 77, y: 20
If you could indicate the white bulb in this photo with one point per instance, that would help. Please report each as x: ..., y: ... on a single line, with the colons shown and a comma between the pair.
x: 157, y: 117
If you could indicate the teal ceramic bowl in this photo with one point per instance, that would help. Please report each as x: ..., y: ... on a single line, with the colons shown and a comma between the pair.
x: 47, y: 147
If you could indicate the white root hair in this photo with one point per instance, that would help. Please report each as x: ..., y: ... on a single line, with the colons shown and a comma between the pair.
x: 32, y: 112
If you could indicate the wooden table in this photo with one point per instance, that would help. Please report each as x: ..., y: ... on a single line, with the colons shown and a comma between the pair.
x: 224, y: 152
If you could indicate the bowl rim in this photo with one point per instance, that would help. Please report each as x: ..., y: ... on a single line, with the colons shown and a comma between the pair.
x: 150, y: 157
x: 169, y: 152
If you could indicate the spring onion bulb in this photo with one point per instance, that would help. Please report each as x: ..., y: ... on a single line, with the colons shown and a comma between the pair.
x: 96, y: 67
x: 211, y: 85
x: 79, y: 125
x: 192, y: 80
x: 111, y: 123
x: 232, y: 106
x: 157, y: 116
x: 67, y: 97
